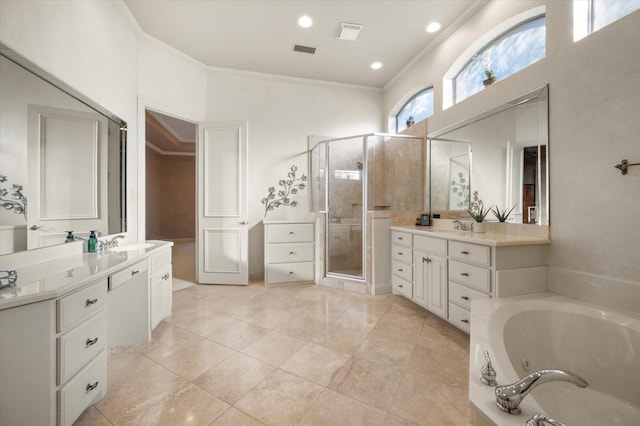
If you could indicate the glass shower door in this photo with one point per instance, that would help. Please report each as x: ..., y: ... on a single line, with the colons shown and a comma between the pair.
x: 346, y: 185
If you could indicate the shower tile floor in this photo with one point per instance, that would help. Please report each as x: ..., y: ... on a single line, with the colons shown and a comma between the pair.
x: 289, y: 355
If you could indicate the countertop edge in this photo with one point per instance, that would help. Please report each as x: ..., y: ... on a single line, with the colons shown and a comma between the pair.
x: 487, y: 239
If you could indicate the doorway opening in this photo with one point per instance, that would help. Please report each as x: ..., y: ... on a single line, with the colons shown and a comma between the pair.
x: 170, y: 175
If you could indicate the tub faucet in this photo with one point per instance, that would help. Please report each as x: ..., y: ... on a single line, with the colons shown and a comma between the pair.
x: 542, y: 420
x: 509, y: 397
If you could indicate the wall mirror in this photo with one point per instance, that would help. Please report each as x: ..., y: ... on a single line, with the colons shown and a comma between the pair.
x: 502, y: 153
x: 62, y: 160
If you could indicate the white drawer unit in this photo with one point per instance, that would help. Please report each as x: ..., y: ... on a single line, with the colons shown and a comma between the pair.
x: 86, y: 388
x: 289, y: 251
x: 81, y: 304
x: 471, y: 276
x: 401, y: 254
x: 401, y: 238
x: 121, y: 277
x: 401, y: 287
x: 470, y: 253
x: 463, y: 296
x: 432, y: 245
x: 459, y: 317
x: 402, y: 270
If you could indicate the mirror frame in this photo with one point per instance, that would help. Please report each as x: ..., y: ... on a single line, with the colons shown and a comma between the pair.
x: 47, y: 77
x: 538, y: 95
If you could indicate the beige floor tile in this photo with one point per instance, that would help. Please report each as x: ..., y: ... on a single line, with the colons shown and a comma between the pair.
x: 188, y: 406
x: 356, y: 320
x: 139, y: 392
x: 191, y: 361
x: 368, y: 382
x: 321, y: 312
x: 316, y: 363
x: 239, y: 336
x: 400, y: 327
x: 165, y: 340
x: 235, y: 417
x: 302, y: 327
x: 92, y: 417
x: 269, y: 318
x: 393, y: 420
x: 385, y: 350
x: 454, y: 372
x: 231, y: 379
x: 204, y: 325
x: 274, y: 348
x: 280, y: 399
x: 341, y: 339
x: 422, y: 402
x: 332, y: 408
x: 122, y: 363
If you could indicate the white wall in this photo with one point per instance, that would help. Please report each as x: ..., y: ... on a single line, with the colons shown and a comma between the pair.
x: 282, y: 113
x: 594, y: 104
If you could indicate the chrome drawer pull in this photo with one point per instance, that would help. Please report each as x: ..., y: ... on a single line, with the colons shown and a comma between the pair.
x: 399, y: 269
x: 291, y: 232
x: 464, y: 252
x: 464, y: 298
x: 400, y: 238
x: 90, y: 302
x: 91, y: 387
x: 464, y: 274
x: 292, y: 252
x: 466, y: 321
x: 400, y: 254
x: 91, y: 342
x: 291, y: 272
x: 400, y: 285
x: 134, y: 273
x: 426, y: 259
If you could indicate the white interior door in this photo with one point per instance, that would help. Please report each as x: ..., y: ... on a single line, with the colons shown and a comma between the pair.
x: 67, y: 169
x: 222, y: 228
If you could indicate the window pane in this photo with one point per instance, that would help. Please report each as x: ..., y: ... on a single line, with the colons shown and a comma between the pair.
x: 419, y: 107
x: 608, y: 11
x: 513, y: 51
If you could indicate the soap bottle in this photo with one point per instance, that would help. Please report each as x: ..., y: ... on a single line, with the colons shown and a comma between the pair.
x: 70, y: 237
x: 92, y: 242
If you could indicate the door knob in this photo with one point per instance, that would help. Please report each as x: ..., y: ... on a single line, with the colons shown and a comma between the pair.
x: 35, y: 227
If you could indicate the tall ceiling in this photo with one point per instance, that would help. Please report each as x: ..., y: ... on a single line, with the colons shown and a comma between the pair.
x: 259, y: 35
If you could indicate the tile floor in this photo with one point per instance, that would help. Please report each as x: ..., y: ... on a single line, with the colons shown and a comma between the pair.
x: 289, y: 355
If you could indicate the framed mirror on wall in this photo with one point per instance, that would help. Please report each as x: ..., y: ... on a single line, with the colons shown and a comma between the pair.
x: 502, y: 154
x: 62, y: 160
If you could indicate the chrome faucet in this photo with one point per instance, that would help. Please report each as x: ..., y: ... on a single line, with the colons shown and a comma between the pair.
x: 113, y: 242
x: 541, y: 420
x: 509, y: 397
x: 459, y: 226
x: 9, y: 279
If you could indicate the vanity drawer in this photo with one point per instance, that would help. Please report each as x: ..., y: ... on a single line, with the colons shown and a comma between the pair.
x: 403, y: 254
x: 295, y: 252
x: 159, y: 261
x: 80, y: 345
x: 401, y: 287
x: 402, y: 270
x: 459, y: 317
x: 430, y: 244
x: 462, y: 296
x: 470, y: 253
x: 290, y: 272
x: 401, y: 238
x: 290, y: 233
x: 80, y: 305
x: 87, y: 387
x: 472, y: 276
x: 121, y: 277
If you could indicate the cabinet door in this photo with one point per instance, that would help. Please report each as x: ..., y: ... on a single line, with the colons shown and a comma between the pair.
x: 167, y: 292
x: 430, y: 283
x: 161, y: 295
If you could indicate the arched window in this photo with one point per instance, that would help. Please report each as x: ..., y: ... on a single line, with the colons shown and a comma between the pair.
x: 419, y: 107
x: 514, y: 50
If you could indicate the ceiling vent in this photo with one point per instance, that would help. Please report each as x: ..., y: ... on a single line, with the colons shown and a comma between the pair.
x: 349, y: 32
x: 304, y: 49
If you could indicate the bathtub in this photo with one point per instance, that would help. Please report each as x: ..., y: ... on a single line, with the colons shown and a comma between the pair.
x: 547, y: 331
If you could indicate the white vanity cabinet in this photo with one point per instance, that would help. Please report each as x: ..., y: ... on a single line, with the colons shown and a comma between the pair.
x: 161, y: 286
x: 430, y: 268
x: 289, y: 251
x: 402, y: 264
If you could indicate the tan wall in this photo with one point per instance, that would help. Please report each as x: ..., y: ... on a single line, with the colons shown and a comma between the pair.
x: 171, y: 196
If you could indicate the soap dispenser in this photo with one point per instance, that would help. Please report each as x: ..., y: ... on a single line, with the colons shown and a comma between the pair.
x: 70, y: 238
x: 92, y: 242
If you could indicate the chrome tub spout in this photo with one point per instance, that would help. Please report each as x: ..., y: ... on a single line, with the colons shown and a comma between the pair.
x: 509, y: 397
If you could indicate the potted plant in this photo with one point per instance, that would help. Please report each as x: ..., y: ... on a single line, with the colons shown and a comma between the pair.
x: 477, y: 212
x: 410, y: 122
x: 491, y: 78
x: 502, y: 215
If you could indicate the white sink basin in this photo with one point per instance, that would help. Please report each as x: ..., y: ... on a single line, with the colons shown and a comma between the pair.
x: 132, y: 247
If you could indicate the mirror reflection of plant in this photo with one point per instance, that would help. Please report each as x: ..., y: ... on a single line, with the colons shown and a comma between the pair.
x: 289, y: 186
x: 461, y: 189
x: 18, y: 202
x: 476, y: 209
x: 502, y: 215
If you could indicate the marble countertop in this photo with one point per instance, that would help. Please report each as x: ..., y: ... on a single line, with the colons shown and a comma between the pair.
x: 55, y: 278
x: 492, y: 239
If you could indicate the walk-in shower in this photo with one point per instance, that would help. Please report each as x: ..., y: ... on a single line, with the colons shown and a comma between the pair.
x: 356, y: 175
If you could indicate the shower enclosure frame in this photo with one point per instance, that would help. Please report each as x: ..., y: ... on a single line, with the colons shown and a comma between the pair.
x: 365, y: 202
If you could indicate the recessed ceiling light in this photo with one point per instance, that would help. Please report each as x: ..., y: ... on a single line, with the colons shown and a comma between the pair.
x: 376, y: 65
x: 433, y: 27
x: 305, y: 21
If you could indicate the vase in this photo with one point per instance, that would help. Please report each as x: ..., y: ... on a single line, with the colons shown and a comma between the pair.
x: 489, y: 81
x: 478, y: 227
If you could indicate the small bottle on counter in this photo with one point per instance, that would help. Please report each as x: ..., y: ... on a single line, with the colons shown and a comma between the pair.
x: 92, y: 242
x: 70, y: 237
